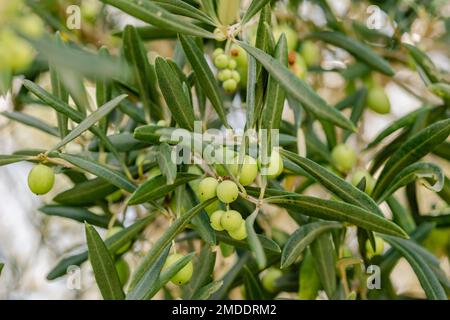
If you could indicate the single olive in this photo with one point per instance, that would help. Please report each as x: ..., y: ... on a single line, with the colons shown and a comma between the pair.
x: 207, y: 188
x: 240, y: 233
x: 379, y: 247
x: 269, y: 279
x: 378, y: 101
x: 184, y: 275
x: 221, y: 61
x: 343, y: 157
x: 310, y: 53
x: 231, y: 220
x: 230, y: 86
x: 41, y: 179
x: 227, y: 191
x: 215, y: 219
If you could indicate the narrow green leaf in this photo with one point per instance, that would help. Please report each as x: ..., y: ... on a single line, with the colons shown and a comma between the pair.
x: 298, y: 89
x: 335, y: 184
x: 337, y: 211
x: 143, y: 73
x: 427, y: 278
x: 204, y: 75
x: 356, y: 48
x: 251, y: 93
x: 149, y: 12
x: 2, y: 265
x: 275, y: 94
x: 252, y: 285
x: 113, y: 243
x: 165, y: 239
x: 101, y: 171
x: 205, y: 292
x: 123, y: 142
x: 253, y: 240
x: 149, y: 279
x: 301, y: 238
x: 86, y: 193
x: 440, y: 89
x: 157, y: 188
x: 400, y: 215
x: 410, y: 151
x: 185, y: 9
x: 6, y: 159
x: 413, y: 172
x: 404, y: 121
x: 172, y: 90
x: 167, y: 166
x: 31, y: 122
x: 309, y: 280
x: 203, y: 270
x: 87, y: 123
x: 77, y: 214
x: 253, y: 9
x: 324, y: 255
x: 424, y: 62
x: 102, y: 263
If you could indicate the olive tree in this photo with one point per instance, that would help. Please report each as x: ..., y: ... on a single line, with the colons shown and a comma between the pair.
x: 161, y: 139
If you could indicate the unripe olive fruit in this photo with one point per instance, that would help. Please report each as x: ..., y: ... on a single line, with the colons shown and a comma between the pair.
x: 41, y: 179
x: 221, y: 61
x: 249, y: 170
x: 216, y: 220
x: 162, y: 123
x: 343, y: 157
x: 224, y: 75
x: 291, y: 36
x: 227, y: 191
x: 239, y: 55
x: 185, y: 274
x: 232, y: 64
x: 269, y: 279
x: 378, y: 101
x: 112, y: 232
x: 123, y: 271
x: 310, y: 53
x: 370, y: 181
x: 217, y: 52
x: 240, y: 233
x: 230, y: 85
x: 231, y: 220
x: 235, y: 76
x: 207, y: 188
x: 275, y: 167
x: 219, y: 35
x: 379, y: 247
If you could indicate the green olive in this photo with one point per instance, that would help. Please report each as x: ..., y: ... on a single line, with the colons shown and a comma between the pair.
x: 379, y: 247
x: 221, y: 61
x: 41, y: 179
x: 227, y: 191
x: 224, y: 75
x: 343, y: 157
x: 123, y: 271
x: 112, y: 232
x: 370, y: 181
x: 297, y: 65
x: 207, y: 188
x: 216, y: 220
x: 231, y: 220
x: 275, y: 167
x: 219, y: 35
x: 184, y: 275
x: 249, y: 170
x: 230, y: 86
x: 217, y: 52
x: 378, y: 101
x: 240, y: 233
x: 235, y: 76
x: 269, y: 279
x: 310, y: 53
x: 232, y: 64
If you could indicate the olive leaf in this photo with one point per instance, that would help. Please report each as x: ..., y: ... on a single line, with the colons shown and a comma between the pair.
x: 253, y: 9
x: 253, y: 287
x: 114, y: 243
x: 149, y: 12
x: 298, y: 89
x: 172, y: 90
x: 6, y: 159
x: 253, y: 240
x: 86, y: 193
x: 185, y: 9
x: 324, y: 254
x: 148, y: 281
x: 2, y: 265
x: 103, y: 265
x: 411, y: 173
x: 427, y: 278
x: 205, y: 292
x: 412, y: 150
x: 88, y: 122
x: 31, y: 122
x: 356, y: 48
x: 101, y: 171
x: 337, y: 211
x: 303, y: 237
x: 77, y: 214
x: 203, y: 269
x: 335, y: 184
x: 157, y: 188
x: 204, y: 74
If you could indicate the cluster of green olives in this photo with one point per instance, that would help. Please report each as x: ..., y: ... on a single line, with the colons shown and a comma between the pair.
x: 228, y: 74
